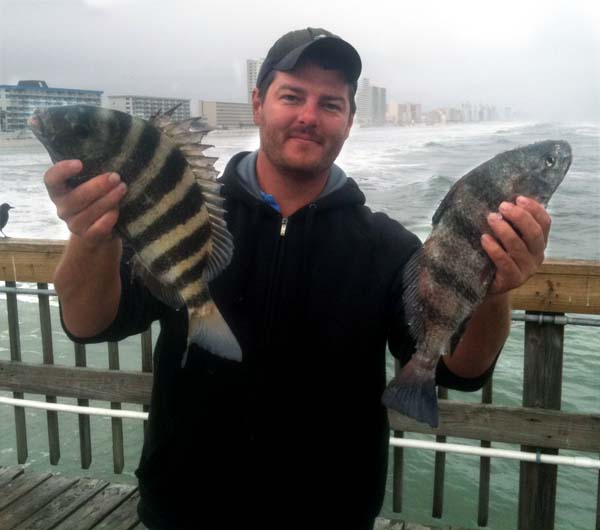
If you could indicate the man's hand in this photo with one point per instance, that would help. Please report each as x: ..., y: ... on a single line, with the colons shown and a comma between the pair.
x: 521, y: 232
x: 92, y: 208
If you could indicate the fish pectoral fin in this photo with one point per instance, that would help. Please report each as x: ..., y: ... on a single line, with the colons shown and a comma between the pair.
x: 412, y: 393
x: 208, y: 330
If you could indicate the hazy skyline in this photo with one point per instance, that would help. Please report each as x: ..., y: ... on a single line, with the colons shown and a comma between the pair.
x: 541, y: 57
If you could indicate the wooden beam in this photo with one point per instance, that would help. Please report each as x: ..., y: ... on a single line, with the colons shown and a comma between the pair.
x: 536, y: 427
x: 29, y: 260
x: 568, y: 286
x: 561, y: 287
x: 88, y: 383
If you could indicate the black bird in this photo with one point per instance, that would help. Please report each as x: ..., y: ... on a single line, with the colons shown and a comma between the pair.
x: 4, y: 216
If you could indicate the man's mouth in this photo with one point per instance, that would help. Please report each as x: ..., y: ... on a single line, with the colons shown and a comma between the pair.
x: 306, y: 138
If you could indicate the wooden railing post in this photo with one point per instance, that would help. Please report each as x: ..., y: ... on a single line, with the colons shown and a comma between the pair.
x: 542, y: 382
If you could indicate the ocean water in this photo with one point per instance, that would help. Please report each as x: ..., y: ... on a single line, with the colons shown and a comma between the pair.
x: 404, y: 172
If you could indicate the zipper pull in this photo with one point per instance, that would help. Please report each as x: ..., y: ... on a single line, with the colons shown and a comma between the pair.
x: 283, y: 228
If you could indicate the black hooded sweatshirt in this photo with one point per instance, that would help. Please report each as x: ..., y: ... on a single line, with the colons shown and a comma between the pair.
x: 294, y: 436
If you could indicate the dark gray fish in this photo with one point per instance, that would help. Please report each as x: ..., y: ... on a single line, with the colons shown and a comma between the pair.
x: 4, y: 207
x: 171, y: 216
x: 450, y: 275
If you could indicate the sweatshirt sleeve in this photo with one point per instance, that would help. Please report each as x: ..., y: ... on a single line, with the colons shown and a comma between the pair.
x: 137, y: 310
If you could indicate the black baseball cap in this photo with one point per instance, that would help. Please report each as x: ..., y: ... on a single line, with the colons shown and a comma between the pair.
x: 289, y: 49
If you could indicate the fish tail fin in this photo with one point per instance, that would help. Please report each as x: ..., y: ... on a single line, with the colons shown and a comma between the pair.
x: 208, y: 330
x: 412, y: 393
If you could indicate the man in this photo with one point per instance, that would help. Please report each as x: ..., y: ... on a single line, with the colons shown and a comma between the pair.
x: 295, y: 435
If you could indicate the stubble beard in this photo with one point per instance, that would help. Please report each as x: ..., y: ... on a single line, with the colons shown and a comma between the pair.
x: 273, y: 148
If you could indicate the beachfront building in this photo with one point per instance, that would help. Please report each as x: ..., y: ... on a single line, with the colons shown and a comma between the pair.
x: 404, y: 113
x: 371, y: 104
x: 17, y: 102
x: 226, y: 114
x: 252, y: 69
x: 147, y: 106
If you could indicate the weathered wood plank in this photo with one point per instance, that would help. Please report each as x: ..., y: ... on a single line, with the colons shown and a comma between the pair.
x: 116, y: 423
x: 561, y: 286
x: 19, y: 486
x: 483, y: 506
x: 439, y: 470
x: 123, y: 517
x: 85, y: 431
x: 86, y: 383
x: 529, y: 426
x: 15, y: 355
x: 48, y: 355
x: 571, y: 286
x: 62, y: 505
x: 8, y: 474
x: 542, y: 385
x: 29, y: 260
x: 35, y: 499
x: 97, y: 508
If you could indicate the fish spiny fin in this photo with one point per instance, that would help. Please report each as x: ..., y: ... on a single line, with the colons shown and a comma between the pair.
x: 208, y: 329
x: 188, y: 136
x: 410, y: 298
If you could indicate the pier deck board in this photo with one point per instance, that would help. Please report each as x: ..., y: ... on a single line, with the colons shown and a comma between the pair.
x: 42, y: 501
x: 45, y: 501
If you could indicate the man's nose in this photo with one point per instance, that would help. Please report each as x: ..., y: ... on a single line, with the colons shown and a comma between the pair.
x: 309, y: 113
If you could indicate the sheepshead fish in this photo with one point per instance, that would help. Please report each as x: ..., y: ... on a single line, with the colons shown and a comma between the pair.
x: 450, y: 275
x: 171, y: 215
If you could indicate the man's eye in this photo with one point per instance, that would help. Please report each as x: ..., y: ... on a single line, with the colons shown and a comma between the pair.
x: 332, y: 107
x: 289, y: 97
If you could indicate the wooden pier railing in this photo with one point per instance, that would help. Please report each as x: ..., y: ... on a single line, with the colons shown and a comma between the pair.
x: 539, y: 425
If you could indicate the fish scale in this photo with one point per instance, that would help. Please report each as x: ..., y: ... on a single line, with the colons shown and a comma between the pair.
x: 450, y: 275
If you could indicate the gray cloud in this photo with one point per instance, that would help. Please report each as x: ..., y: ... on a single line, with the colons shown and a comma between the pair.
x: 512, y: 53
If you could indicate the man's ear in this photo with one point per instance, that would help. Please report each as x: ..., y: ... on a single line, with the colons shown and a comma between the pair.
x: 256, y: 106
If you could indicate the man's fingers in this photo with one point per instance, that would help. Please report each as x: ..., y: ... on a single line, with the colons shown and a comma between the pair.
x: 530, y: 234
x: 538, y: 212
x: 56, y: 177
x: 103, y: 227
x: 82, y: 221
x: 86, y: 194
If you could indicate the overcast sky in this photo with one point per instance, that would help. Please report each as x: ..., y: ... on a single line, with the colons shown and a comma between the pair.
x: 536, y: 56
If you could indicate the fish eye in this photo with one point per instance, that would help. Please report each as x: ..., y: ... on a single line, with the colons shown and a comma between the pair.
x: 550, y: 160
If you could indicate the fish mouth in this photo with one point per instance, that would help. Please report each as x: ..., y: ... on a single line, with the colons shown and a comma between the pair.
x: 39, y: 129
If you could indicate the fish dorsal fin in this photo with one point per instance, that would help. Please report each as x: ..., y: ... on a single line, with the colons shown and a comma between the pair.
x: 188, y: 136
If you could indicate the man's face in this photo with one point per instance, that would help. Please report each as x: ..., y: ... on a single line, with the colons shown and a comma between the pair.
x: 304, y: 119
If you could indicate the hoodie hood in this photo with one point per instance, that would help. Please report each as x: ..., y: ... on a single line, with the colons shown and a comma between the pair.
x: 240, y: 182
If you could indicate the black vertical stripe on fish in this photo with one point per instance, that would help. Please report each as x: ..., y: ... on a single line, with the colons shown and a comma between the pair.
x: 444, y: 276
x: 159, y: 185
x: 183, y: 250
x: 433, y: 314
x: 142, y: 154
x: 464, y: 227
x: 185, y: 209
x: 192, y: 274
x: 115, y: 130
x: 485, y: 191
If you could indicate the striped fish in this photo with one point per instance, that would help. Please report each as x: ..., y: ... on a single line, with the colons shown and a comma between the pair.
x: 171, y: 215
x: 450, y: 275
